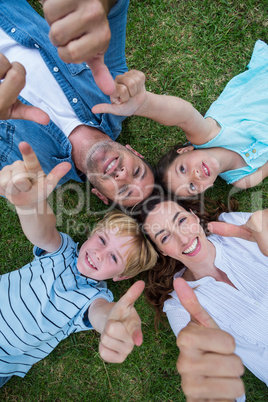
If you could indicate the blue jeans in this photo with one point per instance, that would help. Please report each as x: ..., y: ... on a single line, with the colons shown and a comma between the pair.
x: 3, y: 380
x: 26, y: 27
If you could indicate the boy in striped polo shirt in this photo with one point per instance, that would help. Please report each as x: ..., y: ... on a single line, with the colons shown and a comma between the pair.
x: 62, y: 290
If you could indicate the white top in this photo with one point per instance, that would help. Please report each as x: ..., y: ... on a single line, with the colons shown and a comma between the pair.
x: 41, y: 87
x: 243, y: 311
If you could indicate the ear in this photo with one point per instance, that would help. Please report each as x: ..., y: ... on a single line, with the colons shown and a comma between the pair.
x: 100, y: 196
x: 185, y: 149
x: 134, y: 152
x: 120, y: 278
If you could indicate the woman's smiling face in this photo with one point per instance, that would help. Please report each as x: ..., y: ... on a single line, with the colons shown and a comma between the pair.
x: 176, y: 232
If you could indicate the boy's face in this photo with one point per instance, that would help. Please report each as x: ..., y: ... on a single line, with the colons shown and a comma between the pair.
x: 104, y: 255
x: 192, y: 172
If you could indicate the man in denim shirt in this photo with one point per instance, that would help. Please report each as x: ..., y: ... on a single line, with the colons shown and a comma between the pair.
x: 67, y: 92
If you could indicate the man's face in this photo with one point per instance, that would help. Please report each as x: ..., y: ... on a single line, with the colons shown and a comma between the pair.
x: 118, y: 173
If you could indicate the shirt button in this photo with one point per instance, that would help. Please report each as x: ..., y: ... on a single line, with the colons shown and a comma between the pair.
x: 56, y: 69
x: 36, y: 45
x: 75, y: 100
x: 91, y: 122
x: 13, y: 30
x: 247, y: 154
x: 254, y: 151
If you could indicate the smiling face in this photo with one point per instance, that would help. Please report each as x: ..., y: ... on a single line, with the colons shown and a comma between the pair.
x: 118, y: 174
x: 192, y: 172
x: 104, y: 255
x: 176, y: 232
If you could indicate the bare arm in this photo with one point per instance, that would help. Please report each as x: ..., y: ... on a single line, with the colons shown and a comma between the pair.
x: 26, y: 186
x: 253, y: 179
x: 131, y: 98
x: 255, y: 229
x: 118, y: 323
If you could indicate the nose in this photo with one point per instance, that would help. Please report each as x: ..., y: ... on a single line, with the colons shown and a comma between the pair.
x: 121, y: 174
x: 196, y: 173
x: 182, y: 238
x: 98, y: 254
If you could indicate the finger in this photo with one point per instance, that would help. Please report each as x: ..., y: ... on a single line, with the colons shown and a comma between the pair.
x: 106, y: 108
x: 134, y: 80
x: 196, y: 337
x: 132, y: 294
x: 137, y: 336
x: 229, y: 230
x: 111, y: 356
x: 102, y: 75
x: 26, y: 112
x: 190, y: 302
x: 55, y: 10
x: 212, y: 389
x: 20, y: 178
x: 11, y: 86
x: 30, y: 159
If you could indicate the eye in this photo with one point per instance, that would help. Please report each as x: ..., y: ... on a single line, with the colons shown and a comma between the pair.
x: 136, y: 173
x: 122, y: 190
x: 114, y: 258
x: 164, y: 239
x: 182, y: 169
x: 181, y: 220
x: 192, y: 187
x: 102, y: 240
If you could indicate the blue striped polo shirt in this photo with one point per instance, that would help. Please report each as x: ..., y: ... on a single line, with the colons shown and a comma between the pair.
x: 41, y: 304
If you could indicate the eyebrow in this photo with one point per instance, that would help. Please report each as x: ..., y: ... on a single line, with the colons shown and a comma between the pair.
x: 173, y: 220
x: 175, y: 216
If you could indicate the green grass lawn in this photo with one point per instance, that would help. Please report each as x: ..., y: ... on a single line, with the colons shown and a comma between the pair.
x: 187, y: 48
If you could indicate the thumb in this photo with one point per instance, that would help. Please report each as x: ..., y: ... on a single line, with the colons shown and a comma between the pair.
x: 26, y: 112
x: 57, y: 173
x: 101, y: 74
x: 230, y: 230
x: 190, y: 302
x: 124, y: 311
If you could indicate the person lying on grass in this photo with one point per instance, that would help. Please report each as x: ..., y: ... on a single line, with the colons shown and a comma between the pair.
x: 230, y: 141
x: 62, y: 290
x: 226, y: 267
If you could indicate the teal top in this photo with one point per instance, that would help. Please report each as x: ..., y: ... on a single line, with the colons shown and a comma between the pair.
x: 242, y: 112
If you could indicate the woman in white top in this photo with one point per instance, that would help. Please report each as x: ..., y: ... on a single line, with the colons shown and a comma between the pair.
x: 228, y: 272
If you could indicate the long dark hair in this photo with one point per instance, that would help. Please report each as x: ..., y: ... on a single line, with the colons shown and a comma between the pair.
x: 164, y: 163
x: 159, y: 280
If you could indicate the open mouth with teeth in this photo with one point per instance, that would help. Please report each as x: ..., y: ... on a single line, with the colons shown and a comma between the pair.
x: 193, y: 248
x: 90, y: 262
x: 205, y: 169
x: 110, y: 166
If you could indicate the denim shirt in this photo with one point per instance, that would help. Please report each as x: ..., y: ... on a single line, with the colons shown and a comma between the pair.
x: 20, y: 21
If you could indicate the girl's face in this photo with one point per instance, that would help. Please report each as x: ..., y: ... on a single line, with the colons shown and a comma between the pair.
x: 192, y: 172
x: 104, y: 255
x: 176, y: 232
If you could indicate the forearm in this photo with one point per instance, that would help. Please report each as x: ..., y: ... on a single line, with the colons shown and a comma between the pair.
x: 174, y: 111
x: 253, y: 179
x: 38, y: 223
x: 98, y: 313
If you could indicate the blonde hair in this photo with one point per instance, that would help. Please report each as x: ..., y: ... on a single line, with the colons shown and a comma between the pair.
x: 141, y: 255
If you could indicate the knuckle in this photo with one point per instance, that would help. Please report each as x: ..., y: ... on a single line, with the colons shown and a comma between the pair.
x: 4, y: 62
x: 17, y: 76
